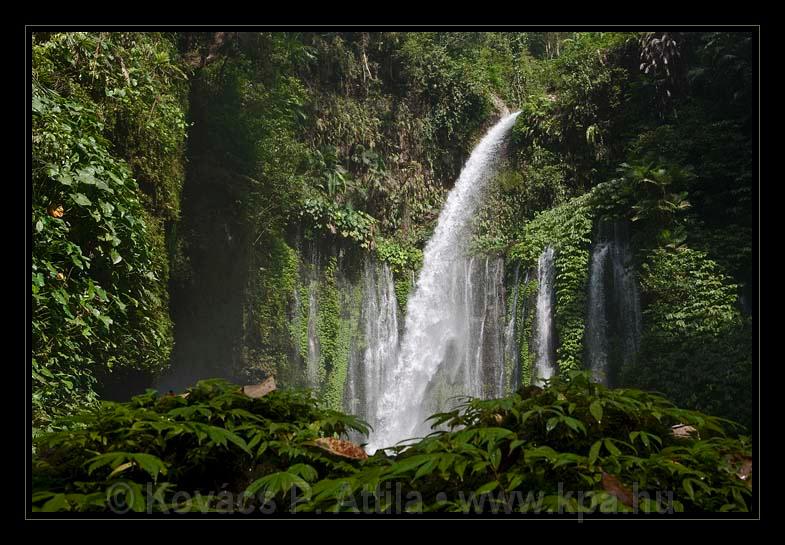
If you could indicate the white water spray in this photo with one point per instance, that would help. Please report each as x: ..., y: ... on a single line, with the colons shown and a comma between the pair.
x: 613, y: 321
x: 436, y: 320
x: 596, y: 320
x: 544, y: 367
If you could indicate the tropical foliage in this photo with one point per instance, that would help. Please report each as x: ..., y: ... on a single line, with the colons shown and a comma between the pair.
x: 229, y: 189
x: 632, y: 129
x: 573, y: 447
x: 107, y: 133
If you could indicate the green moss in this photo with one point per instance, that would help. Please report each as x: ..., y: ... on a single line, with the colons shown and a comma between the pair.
x: 403, y: 287
x: 526, y: 321
x: 157, y: 303
x: 328, y: 320
x: 348, y: 331
x: 337, y: 316
x: 273, y: 289
x: 276, y: 284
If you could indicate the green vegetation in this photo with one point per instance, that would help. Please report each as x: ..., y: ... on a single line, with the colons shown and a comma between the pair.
x: 165, y: 454
x: 209, y: 437
x: 636, y: 128
x: 108, y: 129
x: 226, y: 189
x: 693, y: 320
x: 568, y: 230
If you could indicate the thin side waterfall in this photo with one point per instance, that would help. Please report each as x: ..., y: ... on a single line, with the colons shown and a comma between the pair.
x: 613, y: 321
x: 544, y: 367
x: 353, y: 402
x: 436, y: 320
x: 312, y: 364
x: 467, y: 323
x: 380, y: 325
x: 488, y: 337
x: 494, y: 360
x: 626, y: 296
x: 511, y: 352
x: 596, y: 321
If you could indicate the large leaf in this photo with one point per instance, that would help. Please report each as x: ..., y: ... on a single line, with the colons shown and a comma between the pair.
x: 81, y: 199
x: 276, y: 484
x: 112, y: 459
x: 149, y: 463
x: 221, y: 436
x: 596, y: 410
x: 594, y: 452
x: 305, y: 471
x: 487, y: 487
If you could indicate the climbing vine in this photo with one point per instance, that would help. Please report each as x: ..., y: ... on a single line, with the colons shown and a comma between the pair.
x: 568, y: 229
x: 106, y: 175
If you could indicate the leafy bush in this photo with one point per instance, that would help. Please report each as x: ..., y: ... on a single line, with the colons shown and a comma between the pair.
x: 646, y: 192
x: 345, y: 221
x: 697, y: 346
x: 401, y: 258
x: 108, y: 130
x: 213, y: 435
x: 137, y: 86
x: 574, y: 447
x: 97, y: 268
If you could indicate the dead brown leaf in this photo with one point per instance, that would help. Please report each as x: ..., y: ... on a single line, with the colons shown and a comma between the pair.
x: 682, y: 431
x: 744, y: 464
x: 56, y: 210
x: 256, y: 391
x: 340, y: 447
x: 614, y: 487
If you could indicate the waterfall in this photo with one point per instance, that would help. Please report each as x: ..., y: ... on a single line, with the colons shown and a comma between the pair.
x: 312, y: 362
x: 483, y: 330
x: 312, y: 367
x: 596, y: 321
x: 379, y: 323
x: 493, y: 353
x: 613, y: 321
x: 511, y: 352
x: 626, y: 296
x: 353, y: 402
x: 436, y: 320
x: 544, y: 339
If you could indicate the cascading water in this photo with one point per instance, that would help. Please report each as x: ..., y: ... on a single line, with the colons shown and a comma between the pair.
x: 626, y: 296
x: 613, y: 322
x: 596, y: 322
x: 544, y: 339
x: 494, y: 365
x: 511, y: 352
x: 436, y: 320
x: 312, y: 368
x: 312, y: 363
x: 379, y: 322
x: 487, y: 336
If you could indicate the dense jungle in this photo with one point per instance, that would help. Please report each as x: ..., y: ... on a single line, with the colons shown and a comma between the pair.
x: 393, y: 272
